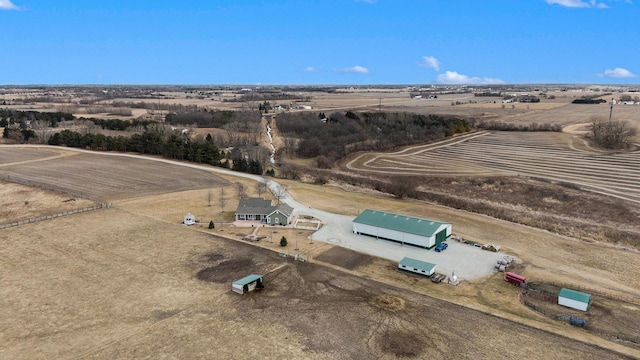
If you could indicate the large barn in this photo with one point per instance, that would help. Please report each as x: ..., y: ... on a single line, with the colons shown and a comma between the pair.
x: 401, y: 228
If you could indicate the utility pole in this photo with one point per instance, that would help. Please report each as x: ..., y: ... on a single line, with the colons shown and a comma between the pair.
x: 611, y: 110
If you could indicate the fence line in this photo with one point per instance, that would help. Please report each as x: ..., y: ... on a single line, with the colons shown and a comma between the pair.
x: 54, y: 216
x: 524, y: 295
x: 608, y: 294
x: 18, y: 180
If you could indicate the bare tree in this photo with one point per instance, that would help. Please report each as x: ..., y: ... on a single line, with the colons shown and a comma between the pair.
x: 223, y: 200
x: 279, y: 193
x: 241, y: 192
x: 612, y: 134
x: 261, y: 186
x: 209, y: 197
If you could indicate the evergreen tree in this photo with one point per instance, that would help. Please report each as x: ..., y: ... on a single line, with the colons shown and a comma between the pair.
x: 283, y: 241
x: 211, y: 225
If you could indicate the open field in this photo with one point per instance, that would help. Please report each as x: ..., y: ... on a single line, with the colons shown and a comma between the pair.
x: 112, y: 284
x: 19, y: 202
x: 9, y: 155
x: 145, y: 286
x: 553, y: 111
x: 147, y: 239
x: 553, y: 156
x: 108, y: 178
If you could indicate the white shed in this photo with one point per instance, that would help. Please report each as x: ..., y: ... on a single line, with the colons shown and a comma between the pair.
x: 574, y: 299
x: 189, y: 219
x: 417, y: 266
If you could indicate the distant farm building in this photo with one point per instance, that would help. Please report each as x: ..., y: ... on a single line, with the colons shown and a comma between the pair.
x: 574, y: 299
x: 401, y: 228
x: 264, y: 211
x: 189, y: 219
x: 417, y: 266
x: 247, y: 284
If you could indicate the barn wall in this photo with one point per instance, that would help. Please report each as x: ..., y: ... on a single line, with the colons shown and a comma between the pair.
x: 572, y: 303
x: 365, y: 229
x: 419, y: 240
x: 393, y: 235
x: 419, y: 271
x: 390, y: 234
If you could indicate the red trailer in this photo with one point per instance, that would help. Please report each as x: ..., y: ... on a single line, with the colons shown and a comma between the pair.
x: 514, y: 279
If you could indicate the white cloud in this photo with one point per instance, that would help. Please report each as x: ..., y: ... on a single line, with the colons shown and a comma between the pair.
x: 8, y: 5
x: 430, y: 62
x: 582, y: 3
x: 618, y: 73
x: 355, y: 69
x: 311, y: 69
x: 453, y: 77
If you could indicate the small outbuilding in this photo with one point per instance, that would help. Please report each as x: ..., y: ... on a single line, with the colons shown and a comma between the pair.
x: 404, y: 229
x: 189, y: 219
x: 247, y: 283
x: 417, y: 266
x: 574, y: 299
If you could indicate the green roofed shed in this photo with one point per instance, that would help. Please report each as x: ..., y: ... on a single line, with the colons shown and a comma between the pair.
x: 247, y: 283
x: 417, y: 266
x: 574, y: 299
x: 401, y: 228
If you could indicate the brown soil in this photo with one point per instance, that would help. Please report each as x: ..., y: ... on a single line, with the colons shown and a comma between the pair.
x: 110, y: 178
x: 344, y: 258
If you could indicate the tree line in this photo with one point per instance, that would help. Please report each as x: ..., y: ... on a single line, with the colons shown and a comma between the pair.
x: 8, y: 116
x: 330, y: 139
x: 501, y: 126
x: 174, y: 146
x: 213, y: 118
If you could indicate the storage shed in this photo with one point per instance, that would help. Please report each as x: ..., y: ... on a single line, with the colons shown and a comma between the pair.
x: 189, y: 219
x: 247, y: 283
x: 401, y: 228
x: 574, y: 299
x: 417, y: 266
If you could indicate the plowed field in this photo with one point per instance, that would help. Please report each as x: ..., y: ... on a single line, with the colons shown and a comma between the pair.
x: 554, y: 156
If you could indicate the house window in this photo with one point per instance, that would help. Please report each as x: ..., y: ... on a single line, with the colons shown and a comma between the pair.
x: 277, y: 220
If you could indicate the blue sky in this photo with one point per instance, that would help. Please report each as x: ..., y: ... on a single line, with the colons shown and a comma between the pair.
x: 319, y: 42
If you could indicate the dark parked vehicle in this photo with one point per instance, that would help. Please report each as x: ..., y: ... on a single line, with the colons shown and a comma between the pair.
x: 442, y: 246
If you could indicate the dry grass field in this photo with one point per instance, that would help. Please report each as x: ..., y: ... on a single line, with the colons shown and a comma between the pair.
x: 132, y: 282
x: 136, y: 283
x: 112, y: 284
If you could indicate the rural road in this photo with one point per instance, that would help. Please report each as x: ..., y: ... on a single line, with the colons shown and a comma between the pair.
x: 466, y: 261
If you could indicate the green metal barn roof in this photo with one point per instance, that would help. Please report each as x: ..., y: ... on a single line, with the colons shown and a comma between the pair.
x: 575, y: 295
x: 247, y: 280
x: 398, y: 222
x: 417, y: 264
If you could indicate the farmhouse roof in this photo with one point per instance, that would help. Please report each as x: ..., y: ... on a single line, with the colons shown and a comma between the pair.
x: 575, y: 295
x: 247, y: 279
x: 283, y: 208
x: 417, y: 264
x: 255, y: 206
x: 398, y: 222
